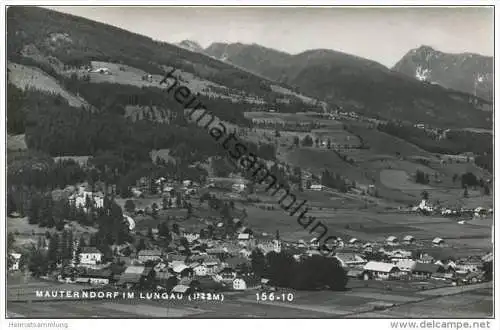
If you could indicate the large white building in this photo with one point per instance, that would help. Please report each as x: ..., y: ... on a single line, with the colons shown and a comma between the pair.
x: 80, y: 198
x: 90, y: 255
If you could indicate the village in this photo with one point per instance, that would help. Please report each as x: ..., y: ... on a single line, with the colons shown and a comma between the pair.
x: 220, y: 255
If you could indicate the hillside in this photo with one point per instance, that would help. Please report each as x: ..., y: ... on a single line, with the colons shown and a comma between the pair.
x: 357, y: 84
x: 465, y: 72
x: 59, y: 104
x: 62, y: 44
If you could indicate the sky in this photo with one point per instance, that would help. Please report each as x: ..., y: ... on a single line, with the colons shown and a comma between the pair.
x: 380, y: 34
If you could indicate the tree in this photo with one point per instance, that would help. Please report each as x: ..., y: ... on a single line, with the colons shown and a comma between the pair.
x: 486, y: 190
x: 154, y: 210
x: 38, y: 264
x: 469, y: 179
x: 163, y: 230
x: 175, y: 229
x: 10, y: 241
x: 141, y: 245
x: 319, y: 272
x: 425, y: 195
x: 150, y: 233
x: 307, y: 141
x: 258, y: 262
x: 53, y: 255
x: 466, y: 192
x: 296, y: 141
x: 129, y: 206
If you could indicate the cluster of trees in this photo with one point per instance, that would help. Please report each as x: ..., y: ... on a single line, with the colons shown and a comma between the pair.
x: 470, y: 180
x: 316, y: 272
x: 421, y: 177
x: 43, y: 210
x: 333, y: 180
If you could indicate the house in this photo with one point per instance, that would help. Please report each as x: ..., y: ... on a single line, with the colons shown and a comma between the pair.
x: 105, y: 71
x: 353, y: 241
x: 392, y: 240
x: 227, y: 274
x: 423, y: 271
x: 200, y: 270
x: 408, y: 239
x: 90, y: 255
x: 470, y: 265
x: 239, y: 284
x: 149, y: 255
x: 405, y: 265
x: 350, y: 259
x: 380, y: 270
x: 239, y: 187
x: 95, y: 277
x: 182, y: 289
x: 86, y: 199
x: 134, y: 276
x: 426, y: 259
x: 15, y: 258
x: 438, y: 241
x: 399, y: 254
x: 243, y: 237
x: 317, y: 187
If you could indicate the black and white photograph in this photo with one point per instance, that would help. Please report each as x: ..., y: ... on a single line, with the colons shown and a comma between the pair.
x: 249, y: 162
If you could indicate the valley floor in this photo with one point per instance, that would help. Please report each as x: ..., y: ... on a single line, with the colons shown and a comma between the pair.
x: 364, y: 299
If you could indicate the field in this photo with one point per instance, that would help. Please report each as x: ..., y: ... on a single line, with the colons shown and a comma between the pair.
x: 362, y: 299
x: 25, y: 77
x: 383, y: 144
x: 27, y: 234
x: 16, y: 142
x: 398, y: 179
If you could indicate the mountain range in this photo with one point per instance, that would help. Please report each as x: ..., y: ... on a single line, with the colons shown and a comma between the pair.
x: 353, y: 82
x: 341, y: 80
x: 466, y: 72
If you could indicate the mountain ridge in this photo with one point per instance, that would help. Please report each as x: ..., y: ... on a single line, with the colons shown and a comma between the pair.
x: 466, y: 72
x: 336, y: 76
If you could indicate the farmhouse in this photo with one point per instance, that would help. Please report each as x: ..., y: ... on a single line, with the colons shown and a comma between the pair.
x: 15, y: 257
x: 353, y: 241
x: 101, y: 71
x: 438, y: 241
x: 392, y: 240
x: 95, y: 277
x: 227, y: 274
x: 399, y: 254
x: 423, y: 271
x: 408, y: 239
x: 350, y: 259
x: 317, y: 187
x: 406, y: 265
x: 90, y: 255
x: 381, y: 270
x: 86, y: 199
x: 135, y: 275
x: 182, y: 289
x: 243, y: 237
x: 239, y: 284
x: 149, y: 255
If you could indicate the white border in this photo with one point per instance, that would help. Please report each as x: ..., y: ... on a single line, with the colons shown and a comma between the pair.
x: 340, y: 324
